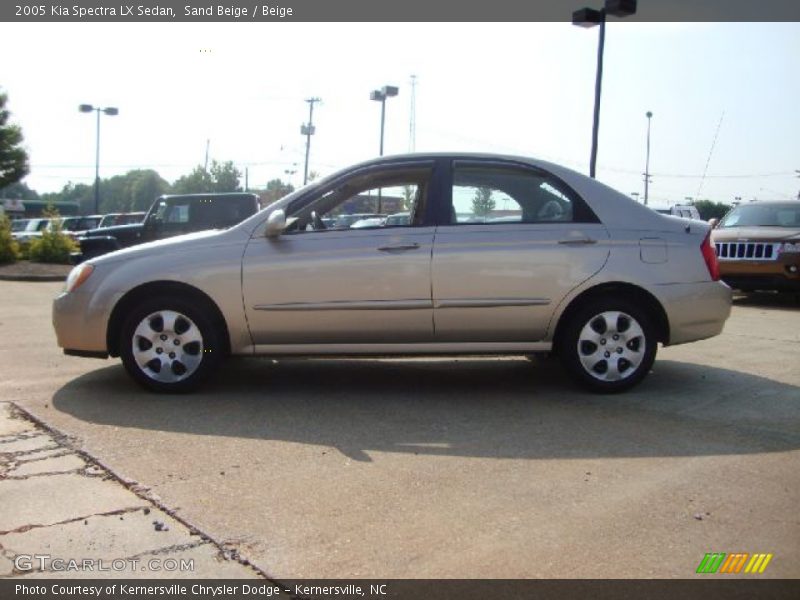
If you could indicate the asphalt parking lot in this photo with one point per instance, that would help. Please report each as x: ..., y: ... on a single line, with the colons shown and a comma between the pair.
x: 485, y: 468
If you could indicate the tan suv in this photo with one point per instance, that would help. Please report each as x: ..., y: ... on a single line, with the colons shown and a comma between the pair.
x: 758, y: 246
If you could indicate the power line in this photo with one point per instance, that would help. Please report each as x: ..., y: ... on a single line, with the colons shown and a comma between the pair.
x: 412, y: 120
x: 710, y: 152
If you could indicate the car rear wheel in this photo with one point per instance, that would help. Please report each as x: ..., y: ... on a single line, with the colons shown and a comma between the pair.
x: 609, y: 346
x: 169, y: 345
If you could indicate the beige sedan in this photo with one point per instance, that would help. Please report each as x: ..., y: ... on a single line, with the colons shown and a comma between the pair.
x: 499, y: 255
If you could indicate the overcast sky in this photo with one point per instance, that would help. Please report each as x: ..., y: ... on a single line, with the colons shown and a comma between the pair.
x: 522, y: 88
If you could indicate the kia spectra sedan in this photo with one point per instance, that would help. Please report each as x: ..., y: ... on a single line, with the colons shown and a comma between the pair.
x: 499, y: 255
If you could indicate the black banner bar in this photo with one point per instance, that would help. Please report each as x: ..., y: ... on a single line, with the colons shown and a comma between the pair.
x: 375, y: 10
x: 705, y: 588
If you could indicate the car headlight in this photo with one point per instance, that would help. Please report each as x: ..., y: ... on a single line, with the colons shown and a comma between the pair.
x: 77, y: 276
x: 790, y: 247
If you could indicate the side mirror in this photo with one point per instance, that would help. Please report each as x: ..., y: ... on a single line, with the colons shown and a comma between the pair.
x: 276, y: 223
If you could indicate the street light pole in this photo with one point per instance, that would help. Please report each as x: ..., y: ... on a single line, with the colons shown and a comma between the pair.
x: 598, y: 82
x: 387, y: 91
x: 383, y: 122
x: 647, y: 160
x: 589, y: 17
x: 110, y: 111
x: 97, y: 168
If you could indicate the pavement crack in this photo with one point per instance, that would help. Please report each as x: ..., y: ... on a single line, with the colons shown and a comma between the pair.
x: 170, y: 549
x: 140, y: 490
x: 20, y: 453
x: 18, y: 437
x: 110, y: 513
x: 78, y: 471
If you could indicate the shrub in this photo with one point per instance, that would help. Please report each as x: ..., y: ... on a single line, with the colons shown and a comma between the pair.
x: 9, y: 250
x: 54, y: 246
x: 24, y: 247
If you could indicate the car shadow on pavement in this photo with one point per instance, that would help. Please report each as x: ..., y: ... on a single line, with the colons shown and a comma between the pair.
x: 783, y: 301
x: 506, y: 408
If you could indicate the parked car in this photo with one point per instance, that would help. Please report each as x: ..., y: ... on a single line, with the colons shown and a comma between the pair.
x: 600, y: 282
x: 75, y: 227
x: 687, y: 211
x: 371, y: 222
x: 347, y: 220
x: 33, y: 228
x: 170, y: 216
x: 401, y: 218
x: 758, y: 246
x: 112, y: 219
x: 18, y: 225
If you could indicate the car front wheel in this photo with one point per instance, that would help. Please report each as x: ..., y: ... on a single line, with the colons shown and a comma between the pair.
x: 609, y: 346
x: 169, y: 345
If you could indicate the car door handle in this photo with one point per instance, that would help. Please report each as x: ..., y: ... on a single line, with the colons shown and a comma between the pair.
x: 577, y: 241
x: 399, y: 247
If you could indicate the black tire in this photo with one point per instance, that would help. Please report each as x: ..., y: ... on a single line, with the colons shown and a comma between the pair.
x: 601, y: 363
x: 177, y: 365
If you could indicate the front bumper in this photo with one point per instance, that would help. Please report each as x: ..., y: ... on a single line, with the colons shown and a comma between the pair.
x: 80, y: 325
x: 782, y: 274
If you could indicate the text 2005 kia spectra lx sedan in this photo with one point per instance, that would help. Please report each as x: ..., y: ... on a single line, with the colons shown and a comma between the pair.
x: 493, y: 255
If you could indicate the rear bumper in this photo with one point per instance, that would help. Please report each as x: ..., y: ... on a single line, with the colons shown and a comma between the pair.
x: 695, y: 311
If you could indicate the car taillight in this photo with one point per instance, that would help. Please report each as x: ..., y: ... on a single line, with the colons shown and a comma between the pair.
x: 710, y: 256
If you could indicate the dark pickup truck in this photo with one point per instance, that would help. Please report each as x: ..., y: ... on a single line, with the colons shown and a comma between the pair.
x: 170, y: 216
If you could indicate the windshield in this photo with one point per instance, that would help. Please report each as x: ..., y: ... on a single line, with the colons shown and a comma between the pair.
x: 763, y: 215
x: 19, y: 225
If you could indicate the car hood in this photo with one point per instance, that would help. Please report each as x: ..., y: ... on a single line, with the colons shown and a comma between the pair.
x: 180, y: 243
x: 756, y: 234
x: 115, y: 230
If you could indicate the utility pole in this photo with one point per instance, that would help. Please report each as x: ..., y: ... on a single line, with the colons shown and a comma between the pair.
x: 798, y: 174
x: 412, y: 120
x: 205, y: 164
x: 308, y: 130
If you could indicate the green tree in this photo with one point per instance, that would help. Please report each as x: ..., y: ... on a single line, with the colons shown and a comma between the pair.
x: 145, y: 187
x: 221, y: 177
x: 409, y: 193
x: 199, y: 180
x: 276, y: 189
x: 225, y: 177
x: 81, y: 193
x: 135, y: 190
x: 19, y: 191
x: 13, y: 157
x: 709, y: 209
x: 482, y: 202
